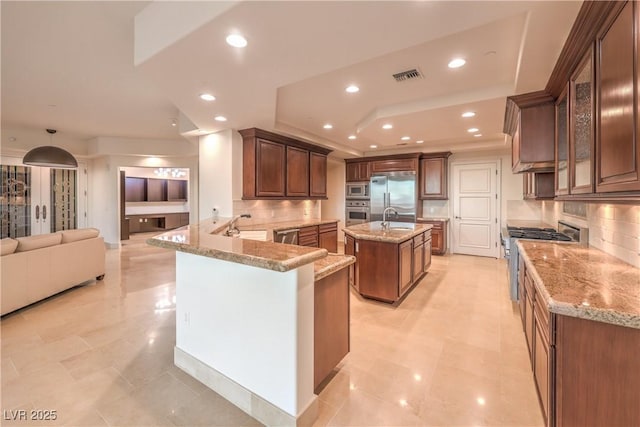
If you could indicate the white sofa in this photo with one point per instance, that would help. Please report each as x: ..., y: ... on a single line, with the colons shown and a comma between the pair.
x: 36, y: 267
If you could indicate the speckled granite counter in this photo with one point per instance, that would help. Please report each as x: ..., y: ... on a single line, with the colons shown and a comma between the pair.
x: 245, y: 224
x: 199, y: 240
x: 330, y: 264
x: 374, y: 231
x: 584, y: 282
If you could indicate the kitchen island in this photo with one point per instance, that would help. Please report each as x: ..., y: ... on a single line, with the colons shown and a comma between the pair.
x: 389, y: 260
x: 581, y: 316
x: 245, y: 318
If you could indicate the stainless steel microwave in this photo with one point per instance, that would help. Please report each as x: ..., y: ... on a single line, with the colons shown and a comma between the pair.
x: 357, y: 190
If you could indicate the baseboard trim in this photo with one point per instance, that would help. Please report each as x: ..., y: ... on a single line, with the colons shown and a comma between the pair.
x: 254, y: 405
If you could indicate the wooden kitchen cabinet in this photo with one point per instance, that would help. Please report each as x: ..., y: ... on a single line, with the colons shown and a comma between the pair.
x: 426, y: 259
x: 318, y: 175
x: 438, y: 235
x: 581, y: 127
x: 530, y: 120
x: 433, y: 176
x: 394, y: 165
x: 135, y: 189
x: 297, y: 172
x: 542, y: 358
x: 328, y: 237
x: 538, y: 185
x: 357, y: 171
x: 156, y: 190
x: 617, y: 141
x: 308, y: 236
x: 418, y: 256
x: 405, y: 262
x: 562, y: 144
x: 278, y: 167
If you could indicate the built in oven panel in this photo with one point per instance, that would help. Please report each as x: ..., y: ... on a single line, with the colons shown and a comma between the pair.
x: 357, y: 212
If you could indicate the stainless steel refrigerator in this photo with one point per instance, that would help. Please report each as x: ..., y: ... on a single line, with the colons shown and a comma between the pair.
x: 396, y: 190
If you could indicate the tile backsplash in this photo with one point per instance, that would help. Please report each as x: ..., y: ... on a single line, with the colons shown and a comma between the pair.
x: 614, y: 229
x: 278, y: 210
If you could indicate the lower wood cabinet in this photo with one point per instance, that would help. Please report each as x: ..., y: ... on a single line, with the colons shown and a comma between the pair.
x: 585, y: 371
x: 157, y: 222
x: 331, y: 323
x: 308, y: 236
x: 438, y: 235
x: 320, y: 236
x: 403, y: 265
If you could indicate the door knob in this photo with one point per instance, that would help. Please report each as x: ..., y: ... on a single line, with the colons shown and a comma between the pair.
x: 457, y: 217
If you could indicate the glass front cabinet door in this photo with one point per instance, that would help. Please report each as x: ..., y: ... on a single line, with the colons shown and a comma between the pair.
x: 562, y: 145
x: 581, y: 141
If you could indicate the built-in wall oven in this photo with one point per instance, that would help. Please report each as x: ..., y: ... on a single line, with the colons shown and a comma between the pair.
x: 357, y: 190
x: 357, y: 212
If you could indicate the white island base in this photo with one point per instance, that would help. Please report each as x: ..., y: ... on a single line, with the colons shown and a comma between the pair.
x: 247, y: 333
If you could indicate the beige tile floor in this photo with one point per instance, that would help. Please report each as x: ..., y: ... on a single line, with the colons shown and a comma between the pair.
x: 451, y: 354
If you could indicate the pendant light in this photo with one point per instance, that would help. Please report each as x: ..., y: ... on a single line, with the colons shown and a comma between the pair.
x: 50, y: 156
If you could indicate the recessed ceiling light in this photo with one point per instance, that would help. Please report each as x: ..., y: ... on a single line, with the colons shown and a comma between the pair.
x: 224, y: 119
x: 236, y: 40
x: 207, y: 97
x: 420, y: 141
x: 405, y: 138
x: 352, y: 137
x: 387, y: 126
x: 477, y: 135
x: 352, y: 89
x: 457, y: 63
x: 471, y: 130
x: 174, y: 122
x: 328, y: 126
x: 373, y: 146
x: 468, y: 114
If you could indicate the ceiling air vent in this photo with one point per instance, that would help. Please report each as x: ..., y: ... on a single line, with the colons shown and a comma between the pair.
x: 408, y: 75
x: 402, y: 143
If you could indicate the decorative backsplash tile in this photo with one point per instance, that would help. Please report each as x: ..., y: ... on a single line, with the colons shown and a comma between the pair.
x: 615, y: 229
x: 277, y: 210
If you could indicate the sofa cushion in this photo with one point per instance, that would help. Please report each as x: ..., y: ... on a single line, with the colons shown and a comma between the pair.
x: 69, y: 236
x: 38, y: 241
x: 8, y: 246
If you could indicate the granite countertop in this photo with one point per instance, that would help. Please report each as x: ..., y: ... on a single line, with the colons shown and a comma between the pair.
x: 433, y: 219
x: 200, y: 239
x: 330, y: 264
x: 584, y: 282
x: 247, y: 224
x: 374, y: 231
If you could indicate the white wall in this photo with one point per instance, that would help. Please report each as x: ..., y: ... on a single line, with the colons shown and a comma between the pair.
x: 216, y: 165
x: 333, y: 208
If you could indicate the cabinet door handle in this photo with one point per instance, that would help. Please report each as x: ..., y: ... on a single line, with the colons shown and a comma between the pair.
x: 37, y: 212
x: 44, y: 212
x: 357, y: 247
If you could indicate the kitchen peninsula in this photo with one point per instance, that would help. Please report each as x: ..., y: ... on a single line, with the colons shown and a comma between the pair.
x: 245, y: 318
x: 389, y: 259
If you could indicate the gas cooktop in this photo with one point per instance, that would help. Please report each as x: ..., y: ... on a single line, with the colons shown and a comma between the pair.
x: 537, y: 234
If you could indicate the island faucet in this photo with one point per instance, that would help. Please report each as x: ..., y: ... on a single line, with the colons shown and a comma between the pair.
x: 231, y: 228
x: 385, y: 223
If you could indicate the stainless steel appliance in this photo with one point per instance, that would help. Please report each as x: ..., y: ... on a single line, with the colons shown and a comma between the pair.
x: 566, y: 233
x: 357, y: 190
x: 357, y: 212
x: 397, y: 190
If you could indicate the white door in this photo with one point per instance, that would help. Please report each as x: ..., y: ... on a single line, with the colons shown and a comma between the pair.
x: 475, y: 208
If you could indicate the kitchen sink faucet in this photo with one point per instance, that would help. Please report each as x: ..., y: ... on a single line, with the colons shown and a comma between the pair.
x: 231, y: 228
x: 385, y: 224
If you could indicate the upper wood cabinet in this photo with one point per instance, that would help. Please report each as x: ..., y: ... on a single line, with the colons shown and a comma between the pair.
x: 581, y: 124
x: 529, y: 119
x: 139, y: 189
x: 318, y: 175
x: 297, y: 172
x: 279, y: 167
x: 433, y: 176
x: 562, y: 144
x: 617, y: 140
x: 394, y: 165
x: 538, y: 185
x: 357, y: 171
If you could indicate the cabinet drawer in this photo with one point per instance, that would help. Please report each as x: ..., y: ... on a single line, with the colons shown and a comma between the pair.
x: 308, y: 231
x: 325, y: 228
x: 418, y: 240
x: 308, y: 236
